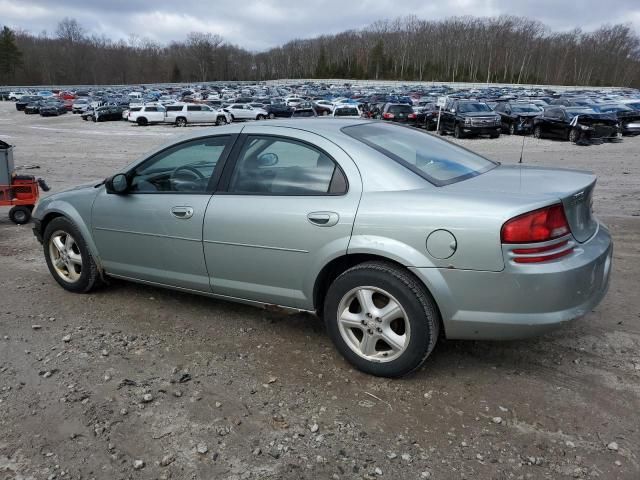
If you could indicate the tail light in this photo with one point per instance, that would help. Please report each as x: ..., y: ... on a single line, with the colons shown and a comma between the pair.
x: 412, y: 115
x: 543, y: 225
x: 387, y: 116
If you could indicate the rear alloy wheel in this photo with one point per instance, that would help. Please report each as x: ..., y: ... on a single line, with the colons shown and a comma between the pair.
x: 537, y: 132
x: 260, y: 117
x: 272, y: 116
x: 512, y: 129
x: 457, y: 132
x: 20, y: 214
x: 381, y: 319
x: 142, y: 122
x: 221, y: 121
x: 68, y: 257
x: 574, y: 135
x: 181, y: 122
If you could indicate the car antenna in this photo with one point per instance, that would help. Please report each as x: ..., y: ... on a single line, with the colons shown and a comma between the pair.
x: 522, y: 149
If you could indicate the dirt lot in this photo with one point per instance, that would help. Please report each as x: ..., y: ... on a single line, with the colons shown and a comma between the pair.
x: 203, y: 389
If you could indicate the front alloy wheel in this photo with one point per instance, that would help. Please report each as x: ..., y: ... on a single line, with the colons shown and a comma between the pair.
x: 65, y: 256
x: 68, y: 258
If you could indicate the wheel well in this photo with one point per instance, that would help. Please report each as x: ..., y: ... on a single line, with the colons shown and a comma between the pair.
x: 337, y: 266
x: 47, y: 220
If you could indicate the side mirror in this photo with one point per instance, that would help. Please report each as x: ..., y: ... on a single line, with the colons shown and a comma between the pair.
x: 117, y: 184
x: 267, y: 160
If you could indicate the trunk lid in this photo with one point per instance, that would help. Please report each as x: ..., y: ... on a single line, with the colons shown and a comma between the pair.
x: 574, y: 188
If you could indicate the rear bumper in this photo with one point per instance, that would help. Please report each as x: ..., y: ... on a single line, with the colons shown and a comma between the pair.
x: 522, y: 300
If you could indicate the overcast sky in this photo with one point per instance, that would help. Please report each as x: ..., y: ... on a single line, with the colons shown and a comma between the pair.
x: 260, y: 24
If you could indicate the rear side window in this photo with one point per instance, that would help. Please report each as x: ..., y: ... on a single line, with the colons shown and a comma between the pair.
x: 135, y: 109
x: 194, y: 108
x: 435, y: 160
x: 282, y: 166
x: 174, y: 108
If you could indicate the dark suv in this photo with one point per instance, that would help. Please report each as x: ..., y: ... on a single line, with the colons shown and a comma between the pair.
x: 469, y: 117
x: 398, y: 112
x: 517, y: 117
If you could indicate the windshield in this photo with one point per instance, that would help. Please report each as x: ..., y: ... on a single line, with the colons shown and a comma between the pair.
x: 435, y: 160
x: 473, y: 107
x: 577, y: 111
x: 614, y: 108
x: 525, y: 109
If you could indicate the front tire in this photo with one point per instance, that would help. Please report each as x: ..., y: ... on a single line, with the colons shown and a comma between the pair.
x: 457, y: 132
x: 381, y: 319
x: 181, y: 122
x: 512, y: 129
x: 537, y: 132
x: 142, y: 122
x: 260, y: 117
x: 68, y: 257
x: 574, y: 135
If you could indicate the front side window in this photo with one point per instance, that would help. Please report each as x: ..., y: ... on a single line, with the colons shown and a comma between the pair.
x: 435, y: 160
x: 194, y: 108
x: 282, y: 166
x: 186, y: 167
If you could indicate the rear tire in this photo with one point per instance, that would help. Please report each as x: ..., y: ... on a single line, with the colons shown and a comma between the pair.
x: 512, y: 129
x: 142, y: 122
x: 260, y: 117
x: 78, y: 276
x: 387, y: 347
x: 221, y: 121
x: 272, y: 116
x: 20, y: 214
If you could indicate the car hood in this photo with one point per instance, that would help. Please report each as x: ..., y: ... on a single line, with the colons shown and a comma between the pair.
x: 574, y: 188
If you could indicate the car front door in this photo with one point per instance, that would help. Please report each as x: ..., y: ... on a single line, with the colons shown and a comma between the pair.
x: 153, y: 232
x: 286, y: 207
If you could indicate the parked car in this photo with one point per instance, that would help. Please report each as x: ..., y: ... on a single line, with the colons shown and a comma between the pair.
x: 346, y: 111
x: 33, y: 107
x: 575, y: 124
x: 397, y: 112
x: 146, y: 114
x: 17, y: 95
x: 52, y: 108
x: 517, y: 117
x: 323, y: 107
x: 628, y: 118
x: 469, y: 117
x: 391, y: 235
x: 103, y: 113
x: 280, y: 110
x: 427, y: 116
x: 303, y: 111
x: 80, y: 104
x: 244, y: 111
x: 26, y: 100
x: 182, y: 114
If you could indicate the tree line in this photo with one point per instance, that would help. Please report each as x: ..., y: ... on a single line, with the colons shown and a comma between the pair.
x: 501, y: 49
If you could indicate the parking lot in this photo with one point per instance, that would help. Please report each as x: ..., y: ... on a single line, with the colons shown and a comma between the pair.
x: 199, y: 388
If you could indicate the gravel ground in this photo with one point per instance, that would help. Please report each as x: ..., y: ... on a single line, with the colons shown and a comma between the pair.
x: 138, y: 382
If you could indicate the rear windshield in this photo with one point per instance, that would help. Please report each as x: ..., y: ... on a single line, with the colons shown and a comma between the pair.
x: 400, y: 109
x: 435, y: 160
x: 346, y: 112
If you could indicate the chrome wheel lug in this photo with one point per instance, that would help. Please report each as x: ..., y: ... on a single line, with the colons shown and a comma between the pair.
x: 363, y: 322
x: 379, y: 330
x: 368, y: 315
x: 369, y: 331
x: 378, y: 319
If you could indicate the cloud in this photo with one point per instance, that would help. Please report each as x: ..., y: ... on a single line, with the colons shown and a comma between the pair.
x: 261, y: 24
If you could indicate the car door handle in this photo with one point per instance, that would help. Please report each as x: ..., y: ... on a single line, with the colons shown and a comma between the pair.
x: 323, y: 219
x: 182, y: 212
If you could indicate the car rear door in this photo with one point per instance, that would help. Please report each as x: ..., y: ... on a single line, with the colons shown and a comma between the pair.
x: 154, y: 232
x: 286, y: 206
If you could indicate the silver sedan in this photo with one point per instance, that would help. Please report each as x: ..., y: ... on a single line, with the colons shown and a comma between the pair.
x: 391, y: 235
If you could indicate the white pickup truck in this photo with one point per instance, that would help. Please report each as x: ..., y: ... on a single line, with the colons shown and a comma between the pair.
x: 181, y: 114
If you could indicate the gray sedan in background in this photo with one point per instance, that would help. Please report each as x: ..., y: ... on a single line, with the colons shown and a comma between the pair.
x: 391, y: 235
